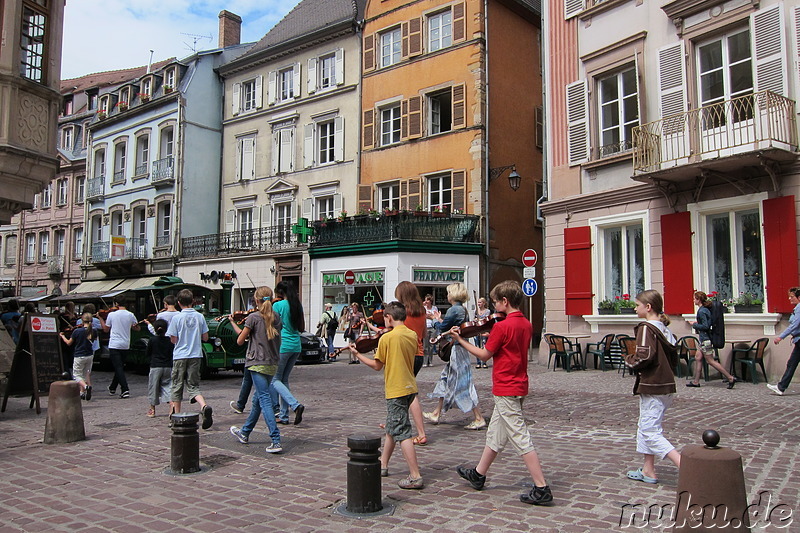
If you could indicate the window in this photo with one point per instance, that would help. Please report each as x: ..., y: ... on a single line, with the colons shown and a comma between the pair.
x: 63, y: 192
x: 77, y: 239
x: 169, y: 78
x: 146, y: 87
x: 32, y: 43
x: 326, y: 143
x: 142, y: 155
x: 60, y: 238
x: 120, y: 157
x: 30, y: 248
x: 91, y: 99
x: 327, y: 71
x: 389, y: 196
x: 97, y: 229
x: 164, y: 223
x: 67, y: 138
x: 440, y: 192
x: 140, y: 224
x: 283, y: 150
x: 47, y: 196
x: 246, y: 158
x: 286, y: 84
x: 68, y: 107
x: 80, y: 189
x: 619, y: 111
x: 124, y: 96
x: 104, y: 104
x: 725, y: 70
x: 734, y: 253
x: 248, y: 95
x: 441, y: 116
x: 116, y: 224
x: 390, y: 125
x: 440, y: 30
x: 282, y: 220
x: 623, y: 260
x: 324, y: 207
x: 100, y: 163
x: 390, y: 47
x: 167, y: 142
x: 11, y: 250
x: 44, y: 246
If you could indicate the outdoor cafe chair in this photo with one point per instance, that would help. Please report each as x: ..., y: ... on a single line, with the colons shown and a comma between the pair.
x: 687, y: 350
x: 627, y: 345
x: 565, y: 353
x: 750, y: 357
x: 602, y: 350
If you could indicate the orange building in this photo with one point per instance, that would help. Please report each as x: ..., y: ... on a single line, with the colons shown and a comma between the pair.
x: 451, y: 94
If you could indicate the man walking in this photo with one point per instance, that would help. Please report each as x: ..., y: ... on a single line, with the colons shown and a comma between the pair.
x: 119, y: 323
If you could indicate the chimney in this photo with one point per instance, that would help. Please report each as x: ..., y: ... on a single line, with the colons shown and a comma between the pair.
x: 230, y: 29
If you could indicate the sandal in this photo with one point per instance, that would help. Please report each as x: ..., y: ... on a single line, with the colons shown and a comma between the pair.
x: 151, y: 412
x: 638, y: 475
x: 421, y: 441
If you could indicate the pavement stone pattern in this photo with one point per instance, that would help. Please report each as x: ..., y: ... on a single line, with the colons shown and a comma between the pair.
x: 583, y: 422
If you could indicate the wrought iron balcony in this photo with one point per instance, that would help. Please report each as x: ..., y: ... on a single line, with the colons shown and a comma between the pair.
x: 401, y: 227
x: 163, y: 171
x: 95, y: 188
x: 119, y: 177
x: 134, y: 248
x: 752, y: 124
x: 259, y: 240
x: 99, y: 252
x: 141, y: 170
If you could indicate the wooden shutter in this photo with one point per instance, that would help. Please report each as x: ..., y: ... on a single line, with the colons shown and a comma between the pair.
x: 578, y: 270
x: 239, y: 159
x: 459, y: 22
x: 768, y: 49
x: 296, y: 75
x: 676, y: 257
x: 236, y: 99
x: 312, y: 75
x: 458, y: 103
x: 338, y: 139
x: 403, y: 194
x: 368, y: 129
x: 338, y: 203
x: 671, y: 84
x: 780, y: 251
x: 459, y: 189
x: 410, y: 193
x: 572, y: 8
x: 272, y: 90
x: 339, y: 66
x: 266, y: 215
x: 287, y: 150
x: 414, y: 37
x: 415, y: 117
x: 259, y: 91
x: 308, y: 145
x: 404, y: 120
x: 404, y: 31
x: 364, y: 197
x: 369, y: 52
x: 796, y: 26
x: 230, y: 220
x: 276, y: 152
x: 248, y: 161
x: 577, y: 122
x: 308, y: 209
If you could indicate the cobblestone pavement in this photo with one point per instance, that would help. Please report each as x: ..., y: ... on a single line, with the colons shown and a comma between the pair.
x: 583, y: 422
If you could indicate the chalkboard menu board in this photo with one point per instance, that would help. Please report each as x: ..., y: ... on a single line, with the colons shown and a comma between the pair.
x: 37, y: 360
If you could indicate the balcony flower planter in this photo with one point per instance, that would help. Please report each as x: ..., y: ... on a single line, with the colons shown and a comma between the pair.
x: 420, y: 213
x: 390, y: 212
x: 102, y: 116
x: 747, y: 308
x: 168, y: 89
x: 627, y: 310
x: 439, y: 214
x: 606, y: 311
x: 122, y: 108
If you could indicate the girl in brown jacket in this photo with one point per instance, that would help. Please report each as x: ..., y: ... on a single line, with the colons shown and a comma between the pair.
x: 653, y: 362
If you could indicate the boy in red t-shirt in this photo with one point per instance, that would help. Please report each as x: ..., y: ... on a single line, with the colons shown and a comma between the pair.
x: 507, y: 346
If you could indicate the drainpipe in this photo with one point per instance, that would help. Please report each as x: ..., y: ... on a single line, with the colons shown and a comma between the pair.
x: 545, y: 53
x: 179, y: 184
x: 486, y: 144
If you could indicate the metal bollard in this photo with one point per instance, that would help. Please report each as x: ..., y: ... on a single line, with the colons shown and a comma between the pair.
x: 185, y: 444
x: 64, y: 413
x: 711, y: 491
x: 363, y: 475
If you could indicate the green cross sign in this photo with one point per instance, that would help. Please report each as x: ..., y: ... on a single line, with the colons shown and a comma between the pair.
x: 302, y: 230
x: 369, y: 298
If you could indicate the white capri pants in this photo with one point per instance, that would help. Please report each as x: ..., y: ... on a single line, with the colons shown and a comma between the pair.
x: 649, y: 437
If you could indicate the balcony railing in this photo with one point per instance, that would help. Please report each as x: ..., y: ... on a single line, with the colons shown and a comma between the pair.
x: 141, y: 170
x: 754, y: 122
x: 95, y: 187
x: 401, y: 227
x: 119, y: 177
x: 270, y: 239
x: 134, y: 249
x: 163, y: 170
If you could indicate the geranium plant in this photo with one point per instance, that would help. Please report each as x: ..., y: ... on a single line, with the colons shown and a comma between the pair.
x: 608, y: 304
x: 625, y: 301
x: 747, y: 298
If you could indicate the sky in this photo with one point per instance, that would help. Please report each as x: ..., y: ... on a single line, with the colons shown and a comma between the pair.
x: 102, y: 35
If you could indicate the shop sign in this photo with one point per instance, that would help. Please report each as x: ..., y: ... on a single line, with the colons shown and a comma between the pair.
x: 438, y: 276
x: 361, y: 278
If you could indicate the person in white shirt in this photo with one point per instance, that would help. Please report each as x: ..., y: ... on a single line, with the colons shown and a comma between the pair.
x: 430, y: 313
x: 120, y: 323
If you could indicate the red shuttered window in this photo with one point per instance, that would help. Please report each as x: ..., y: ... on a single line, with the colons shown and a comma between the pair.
x: 676, y: 252
x: 780, y: 251
x: 578, y: 270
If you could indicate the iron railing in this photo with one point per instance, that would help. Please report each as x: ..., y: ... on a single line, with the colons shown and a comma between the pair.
x: 95, y: 187
x: 135, y: 248
x: 141, y: 170
x: 270, y: 239
x: 163, y: 170
x: 163, y: 240
x: 405, y: 227
x: 752, y: 122
x: 119, y: 177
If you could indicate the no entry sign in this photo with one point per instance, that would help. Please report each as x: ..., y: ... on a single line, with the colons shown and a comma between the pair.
x: 529, y: 258
x: 349, y: 277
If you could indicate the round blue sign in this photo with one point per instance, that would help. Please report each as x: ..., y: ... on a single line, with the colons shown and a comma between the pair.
x: 529, y: 287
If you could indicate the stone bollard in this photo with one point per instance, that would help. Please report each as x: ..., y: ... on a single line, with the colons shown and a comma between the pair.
x: 363, y: 475
x: 185, y: 444
x: 64, y: 413
x: 711, y: 491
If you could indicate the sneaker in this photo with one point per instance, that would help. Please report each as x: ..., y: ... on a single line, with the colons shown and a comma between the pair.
x: 275, y: 447
x: 236, y: 432
x: 537, y: 496
x: 409, y: 483
x: 298, y: 414
x: 112, y: 391
x: 476, y: 424
x: 83, y: 396
x: 775, y: 389
x: 236, y: 409
x: 205, y: 414
x: 125, y: 394
x: 472, y: 475
x: 88, y: 393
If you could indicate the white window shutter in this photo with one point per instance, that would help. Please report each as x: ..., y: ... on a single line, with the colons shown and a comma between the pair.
x: 672, y: 82
x: 338, y: 204
x: 338, y: 139
x: 312, y: 75
x: 239, y: 159
x: 286, y: 163
x: 572, y: 8
x: 308, y: 209
x: 296, y: 74
x: 235, y: 101
x: 248, y: 158
x: 276, y: 152
x: 339, y: 66
x: 272, y: 89
x: 266, y: 215
x: 577, y: 122
x: 308, y: 145
x: 259, y: 91
x: 796, y: 26
x: 768, y: 48
x: 230, y: 220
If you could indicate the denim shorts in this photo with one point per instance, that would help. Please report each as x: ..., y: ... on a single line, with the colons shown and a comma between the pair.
x: 398, y: 424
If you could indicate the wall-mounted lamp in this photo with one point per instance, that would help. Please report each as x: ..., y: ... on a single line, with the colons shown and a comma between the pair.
x: 514, y: 179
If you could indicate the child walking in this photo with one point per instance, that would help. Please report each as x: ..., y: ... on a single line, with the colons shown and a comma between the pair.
x: 82, y: 338
x: 396, y: 352
x: 507, y: 346
x: 654, y: 362
x: 159, y: 352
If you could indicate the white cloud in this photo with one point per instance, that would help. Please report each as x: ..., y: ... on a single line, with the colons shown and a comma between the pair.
x: 102, y: 35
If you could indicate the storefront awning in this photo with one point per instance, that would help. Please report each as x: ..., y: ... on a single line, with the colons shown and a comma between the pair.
x: 135, y: 283
x: 97, y: 286
x: 36, y: 298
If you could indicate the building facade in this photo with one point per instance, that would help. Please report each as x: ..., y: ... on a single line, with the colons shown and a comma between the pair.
x: 673, y: 162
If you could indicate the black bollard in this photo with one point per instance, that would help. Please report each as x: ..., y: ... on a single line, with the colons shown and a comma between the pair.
x: 185, y: 444
x: 363, y: 475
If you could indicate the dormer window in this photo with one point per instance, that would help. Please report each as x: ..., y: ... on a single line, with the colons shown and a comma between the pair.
x: 169, y: 80
x: 91, y: 100
x: 67, y: 138
x: 104, y: 104
x: 147, y: 86
x: 68, y: 106
x: 124, y: 96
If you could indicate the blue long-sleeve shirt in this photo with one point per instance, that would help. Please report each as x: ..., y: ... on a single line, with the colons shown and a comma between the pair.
x: 703, y: 325
x: 455, y: 316
x: 794, y: 326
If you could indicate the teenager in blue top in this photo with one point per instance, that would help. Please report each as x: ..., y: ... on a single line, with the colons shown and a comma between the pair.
x: 290, y: 310
x: 703, y: 328
x: 83, y: 356
x: 794, y: 331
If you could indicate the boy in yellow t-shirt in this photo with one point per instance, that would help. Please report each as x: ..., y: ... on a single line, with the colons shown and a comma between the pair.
x: 396, y: 351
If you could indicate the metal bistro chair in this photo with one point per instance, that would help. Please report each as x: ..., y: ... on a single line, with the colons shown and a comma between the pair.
x: 757, y: 350
x: 687, y: 350
x: 565, y: 353
x: 601, y: 350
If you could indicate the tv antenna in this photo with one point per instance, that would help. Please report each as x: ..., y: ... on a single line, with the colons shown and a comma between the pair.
x: 195, y: 39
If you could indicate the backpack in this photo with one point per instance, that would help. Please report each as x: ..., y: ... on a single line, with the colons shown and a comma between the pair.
x: 333, y: 323
x: 717, y: 331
